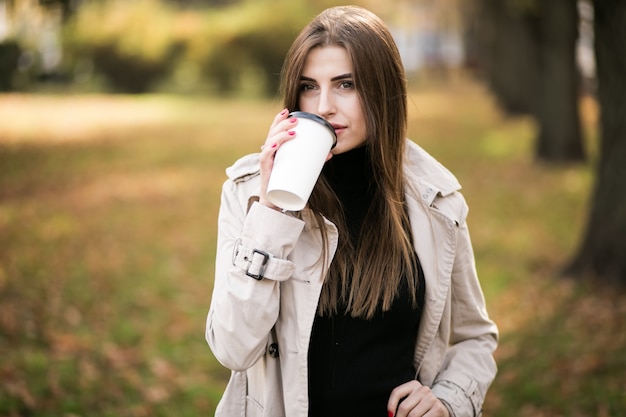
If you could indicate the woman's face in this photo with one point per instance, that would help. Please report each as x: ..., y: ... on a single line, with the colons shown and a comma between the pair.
x: 327, y: 88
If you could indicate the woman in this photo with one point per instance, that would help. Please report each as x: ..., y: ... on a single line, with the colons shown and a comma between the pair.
x: 365, y: 303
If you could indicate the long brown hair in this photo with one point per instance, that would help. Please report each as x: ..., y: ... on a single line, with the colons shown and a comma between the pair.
x: 367, y: 276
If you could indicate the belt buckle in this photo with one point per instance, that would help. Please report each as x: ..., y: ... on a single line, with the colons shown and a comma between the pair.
x: 266, y: 257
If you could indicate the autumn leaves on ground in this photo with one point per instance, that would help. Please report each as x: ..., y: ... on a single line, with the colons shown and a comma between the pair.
x: 108, y: 210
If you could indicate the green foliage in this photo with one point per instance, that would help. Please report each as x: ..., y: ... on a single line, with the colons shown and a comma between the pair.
x: 243, y: 46
x: 138, y: 46
x: 254, y: 39
x: 130, y: 43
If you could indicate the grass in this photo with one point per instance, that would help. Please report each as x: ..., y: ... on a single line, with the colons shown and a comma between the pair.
x: 108, y: 210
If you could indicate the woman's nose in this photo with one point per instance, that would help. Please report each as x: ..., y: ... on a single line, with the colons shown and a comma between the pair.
x: 326, y: 104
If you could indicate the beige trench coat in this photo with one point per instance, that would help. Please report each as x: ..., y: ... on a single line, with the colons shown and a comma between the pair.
x: 260, y: 329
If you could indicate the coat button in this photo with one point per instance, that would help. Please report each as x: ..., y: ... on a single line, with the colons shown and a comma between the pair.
x: 273, y: 350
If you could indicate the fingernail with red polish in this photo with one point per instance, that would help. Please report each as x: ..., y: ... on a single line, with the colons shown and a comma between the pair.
x: 291, y: 133
x: 282, y: 113
x: 390, y: 413
x: 274, y: 145
x: 293, y: 120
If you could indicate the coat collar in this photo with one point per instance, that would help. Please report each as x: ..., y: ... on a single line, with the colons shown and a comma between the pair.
x: 244, y: 168
x: 435, y: 179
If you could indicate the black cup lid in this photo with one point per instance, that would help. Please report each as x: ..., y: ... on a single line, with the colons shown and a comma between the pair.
x: 318, y: 119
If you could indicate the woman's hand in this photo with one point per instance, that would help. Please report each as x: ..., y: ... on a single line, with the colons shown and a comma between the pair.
x: 415, y: 400
x: 280, y: 132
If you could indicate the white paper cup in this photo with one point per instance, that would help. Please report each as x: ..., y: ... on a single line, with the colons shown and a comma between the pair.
x: 299, y: 161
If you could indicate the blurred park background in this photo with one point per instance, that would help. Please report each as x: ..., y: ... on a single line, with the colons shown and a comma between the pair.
x: 118, y: 118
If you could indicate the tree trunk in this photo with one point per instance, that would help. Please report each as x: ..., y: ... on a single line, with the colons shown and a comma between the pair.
x: 519, y: 46
x: 602, y: 253
x: 507, y: 50
x: 560, y: 138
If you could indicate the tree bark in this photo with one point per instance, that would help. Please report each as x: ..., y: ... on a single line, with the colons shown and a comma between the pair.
x: 559, y: 138
x: 506, y: 54
x: 528, y: 53
x: 602, y: 253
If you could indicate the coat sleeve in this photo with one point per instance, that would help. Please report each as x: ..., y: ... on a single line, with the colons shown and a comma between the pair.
x: 468, y: 367
x: 244, y: 309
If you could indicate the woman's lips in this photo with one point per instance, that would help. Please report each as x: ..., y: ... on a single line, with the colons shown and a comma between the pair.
x: 338, y: 128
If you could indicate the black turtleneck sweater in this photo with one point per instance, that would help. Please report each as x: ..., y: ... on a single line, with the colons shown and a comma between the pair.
x: 355, y: 363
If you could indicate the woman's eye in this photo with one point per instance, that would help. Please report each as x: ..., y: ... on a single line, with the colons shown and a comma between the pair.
x: 307, y: 87
x: 346, y: 85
